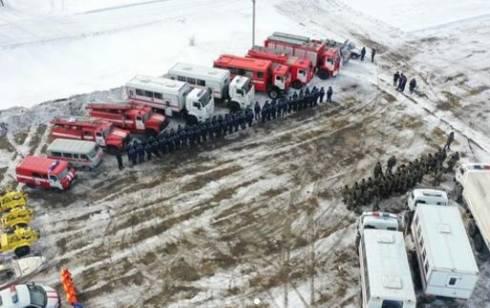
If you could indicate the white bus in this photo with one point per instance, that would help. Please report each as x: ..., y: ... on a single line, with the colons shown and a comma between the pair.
x: 446, y: 262
x: 79, y: 153
x: 386, y: 280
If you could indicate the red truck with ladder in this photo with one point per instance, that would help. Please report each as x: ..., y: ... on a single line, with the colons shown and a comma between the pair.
x: 327, y: 60
x: 102, y: 132
x: 134, y: 117
x: 301, y: 69
x: 266, y: 76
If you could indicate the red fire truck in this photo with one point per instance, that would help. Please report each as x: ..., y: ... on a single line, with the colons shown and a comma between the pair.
x: 326, y: 59
x: 44, y: 172
x: 301, y: 69
x: 134, y: 117
x: 102, y: 132
x: 265, y: 75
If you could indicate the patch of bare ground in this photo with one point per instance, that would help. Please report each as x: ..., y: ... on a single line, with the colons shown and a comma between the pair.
x: 201, y: 180
x: 452, y: 102
x: 5, y: 144
x: 21, y: 136
x: 36, y: 138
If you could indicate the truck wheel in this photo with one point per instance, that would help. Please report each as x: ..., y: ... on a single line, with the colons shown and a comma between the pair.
x: 478, y: 240
x: 472, y: 228
x: 191, y: 120
x: 297, y: 84
x: 273, y: 93
x: 323, y: 74
x: 22, y: 251
x: 234, y: 106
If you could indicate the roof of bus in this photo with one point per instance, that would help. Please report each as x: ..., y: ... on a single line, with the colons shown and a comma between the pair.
x: 445, y: 240
x: 243, y: 62
x: 156, y: 84
x: 199, y: 71
x: 42, y: 165
x: 387, y: 265
x: 71, y: 146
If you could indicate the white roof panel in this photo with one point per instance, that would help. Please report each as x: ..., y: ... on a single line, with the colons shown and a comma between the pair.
x: 71, y: 146
x: 156, y: 84
x: 199, y: 71
x: 387, y: 265
x: 445, y: 240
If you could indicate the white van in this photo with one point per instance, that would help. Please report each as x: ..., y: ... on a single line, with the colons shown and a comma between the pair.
x: 386, y: 280
x: 446, y: 261
x: 29, y: 295
x: 79, y: 153
x: 426, y: 196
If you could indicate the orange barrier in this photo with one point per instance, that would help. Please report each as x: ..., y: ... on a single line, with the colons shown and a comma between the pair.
x: 69, y: 287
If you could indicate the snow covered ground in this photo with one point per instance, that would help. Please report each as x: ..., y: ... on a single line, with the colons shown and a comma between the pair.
x: 221, y: 226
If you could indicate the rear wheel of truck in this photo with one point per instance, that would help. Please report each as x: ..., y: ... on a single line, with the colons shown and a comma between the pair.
x: 297, y: 84
x: 323, y: 74
x: 234, y: 106
x: 273, y: 93
x: 22, y: 251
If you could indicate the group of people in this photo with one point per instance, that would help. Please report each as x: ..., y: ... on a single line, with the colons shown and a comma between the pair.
x: 384, y: 184
x: 400, y: 82
x: 298, y: 101
x: 221, y: 125
x: 363, y: 54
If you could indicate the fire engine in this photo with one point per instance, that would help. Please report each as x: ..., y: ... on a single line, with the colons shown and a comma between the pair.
x: 266, y: 76
x: 102, y: 132
x: 20, y: 241
x: 326, y: 59
x: 301, y: 69
x: 11, y: 200
x: 44, y: 172
x: 131, y: 116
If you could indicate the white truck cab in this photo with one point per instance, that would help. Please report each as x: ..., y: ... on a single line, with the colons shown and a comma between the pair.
x: 379, y: 221
x: 426, y: 196
x: 241, y: 92
x: 29, y: 295
x: 199, y: 104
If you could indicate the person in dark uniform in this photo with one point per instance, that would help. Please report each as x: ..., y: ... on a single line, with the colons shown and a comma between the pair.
x: 449, y: 141
x: 378, y: 171
x: 128, y: 153
x: 295, y: 101
x: 155, y: 148
x: 257, y: 111
x: 140, y: 150
x: 321, y: 94
x: 274, y: 109
x: 119, y: 160
x: 148, y: 151
x: 390, y: 164
x: 396, y: 77
x: 329, y: 94
x: 363, y: 53
x: 265, y: 111
x: 412, y: 85
x: 204, y: 132
x: 242, y: 119
x: 373, y: 54
x: 249, y: 116
x: 132, y: 155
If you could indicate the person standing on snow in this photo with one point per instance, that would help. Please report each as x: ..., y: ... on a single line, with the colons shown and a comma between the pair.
x: 257, y: 111
x: 396, y: 77
x: 412, y: 85
x: 329, y: 94
x: 363, y: 53
x: 373, y: 53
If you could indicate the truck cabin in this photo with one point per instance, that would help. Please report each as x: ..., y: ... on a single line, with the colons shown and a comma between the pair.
x: 427, y: 196
x: 473, y: 167
x: 379, y: 221
x: 258, y: 70
x: 331, y: 59
x: 240, y: 86
x: 281, y: 76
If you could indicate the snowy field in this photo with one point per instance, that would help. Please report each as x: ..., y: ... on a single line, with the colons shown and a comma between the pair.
x: 254, y: 219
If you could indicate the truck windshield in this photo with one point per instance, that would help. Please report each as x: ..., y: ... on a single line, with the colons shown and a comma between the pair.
x: 392, y: 304
x: 63, y: 174
x: 205, y: 97
x: 246, y: 86
x: 37, y: 295
x: 92, y: 153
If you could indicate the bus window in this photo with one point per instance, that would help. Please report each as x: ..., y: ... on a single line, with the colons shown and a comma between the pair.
x: 148, y: 94
x: 140, y: 92
x: 84, y: 157
x: 67, y: 155
x: 181, y: 78
x: 158, y: 95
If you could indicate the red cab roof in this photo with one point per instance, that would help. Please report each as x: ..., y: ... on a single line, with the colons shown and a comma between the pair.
x: 42, y: 165
x: 242, y: 62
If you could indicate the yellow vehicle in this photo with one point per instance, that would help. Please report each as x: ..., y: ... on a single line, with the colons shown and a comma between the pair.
x: 17, y: 217
x: 20, y: 241
x: 12, y: 199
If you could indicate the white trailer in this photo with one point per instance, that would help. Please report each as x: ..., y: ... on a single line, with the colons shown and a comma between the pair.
x: 239, y: 92
x: 447, y: 265
x: 386, y: 280
x: 474, y: 180
x: 172, y: 96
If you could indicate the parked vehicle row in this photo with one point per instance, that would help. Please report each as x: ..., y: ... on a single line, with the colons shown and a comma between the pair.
x: 444, y: 258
